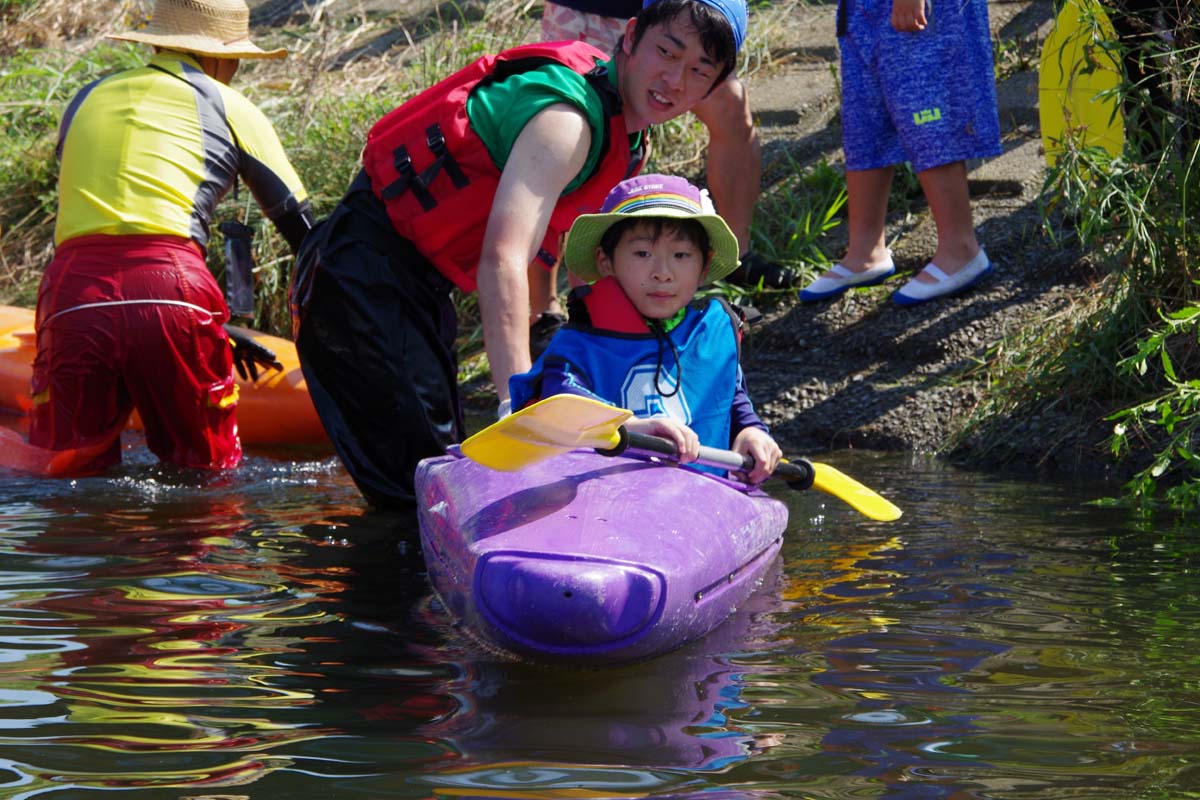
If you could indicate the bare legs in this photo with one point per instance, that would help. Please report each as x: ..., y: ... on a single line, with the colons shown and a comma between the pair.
x: 543, y: 294
x: 945, y: 189
x: 734, y: 172
x: 867, y: 201
x: 868, y: 260
x: 734, y: 158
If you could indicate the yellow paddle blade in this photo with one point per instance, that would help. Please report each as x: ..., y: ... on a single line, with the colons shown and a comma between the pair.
x: 1077, y: 80
x: 545, y: 429
x: 864, y: 500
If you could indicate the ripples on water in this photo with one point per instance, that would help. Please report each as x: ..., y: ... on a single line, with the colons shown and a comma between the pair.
x: 170, y: 634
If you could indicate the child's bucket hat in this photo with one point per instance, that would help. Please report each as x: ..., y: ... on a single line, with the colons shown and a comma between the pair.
x: 662, y: 196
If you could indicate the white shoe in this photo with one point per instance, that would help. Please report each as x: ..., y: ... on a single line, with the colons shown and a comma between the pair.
x: 916, y: 291
x: 825, y: 287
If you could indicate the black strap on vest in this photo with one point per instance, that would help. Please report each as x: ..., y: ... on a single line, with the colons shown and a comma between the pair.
x: 435, y: 140
x: 402, y: 161
x: 610, y: 103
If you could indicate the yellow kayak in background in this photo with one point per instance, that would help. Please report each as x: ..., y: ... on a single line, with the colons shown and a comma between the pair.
x: 1075, y: 71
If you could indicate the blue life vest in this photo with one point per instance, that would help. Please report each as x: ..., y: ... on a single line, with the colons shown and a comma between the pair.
x: 689, y: 374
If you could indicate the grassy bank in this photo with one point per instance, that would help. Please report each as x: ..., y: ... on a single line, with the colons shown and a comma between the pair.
x: 342, y: 75
x: 1128, y: 352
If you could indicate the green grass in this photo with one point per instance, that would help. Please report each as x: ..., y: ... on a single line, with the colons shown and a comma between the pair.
x: 322, y: 101
x: 796, y: 219
x: 34, y: 87
x: 1128, y: 351
x: 1011, y: 56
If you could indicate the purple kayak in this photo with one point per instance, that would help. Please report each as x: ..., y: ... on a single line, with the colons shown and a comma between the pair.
x: 589, y: 558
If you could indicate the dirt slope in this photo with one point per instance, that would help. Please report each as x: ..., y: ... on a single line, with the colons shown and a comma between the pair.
x: 859, y: 371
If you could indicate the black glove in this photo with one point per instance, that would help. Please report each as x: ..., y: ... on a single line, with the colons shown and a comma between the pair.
x: 248, y: 354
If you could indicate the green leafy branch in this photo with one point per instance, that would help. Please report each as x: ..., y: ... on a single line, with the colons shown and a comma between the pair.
x: 1170, y: 422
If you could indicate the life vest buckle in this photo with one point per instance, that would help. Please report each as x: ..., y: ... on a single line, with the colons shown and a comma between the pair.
x: 435, y: 140
x: 407, y: 179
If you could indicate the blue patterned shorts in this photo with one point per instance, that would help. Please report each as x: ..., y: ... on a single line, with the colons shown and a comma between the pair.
x: 928, y: 98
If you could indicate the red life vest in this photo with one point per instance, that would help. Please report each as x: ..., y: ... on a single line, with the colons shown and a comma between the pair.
x: 604, y: 306
x: 437, y: 180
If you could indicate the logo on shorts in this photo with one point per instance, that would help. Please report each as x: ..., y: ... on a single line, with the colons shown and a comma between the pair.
x: 926, y: 115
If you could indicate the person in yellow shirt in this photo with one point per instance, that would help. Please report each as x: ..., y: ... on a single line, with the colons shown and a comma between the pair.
x: 128, y: 314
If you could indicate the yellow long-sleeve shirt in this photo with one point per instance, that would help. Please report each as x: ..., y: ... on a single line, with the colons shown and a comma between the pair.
x: 153, y: 150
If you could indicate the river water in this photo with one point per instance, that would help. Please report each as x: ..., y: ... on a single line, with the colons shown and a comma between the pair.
x: 260, y: 634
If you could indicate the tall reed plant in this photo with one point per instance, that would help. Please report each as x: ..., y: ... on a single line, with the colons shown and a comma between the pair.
x: 1130, y: 352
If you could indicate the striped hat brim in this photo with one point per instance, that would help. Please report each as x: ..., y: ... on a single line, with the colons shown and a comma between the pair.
x: 579, y: 253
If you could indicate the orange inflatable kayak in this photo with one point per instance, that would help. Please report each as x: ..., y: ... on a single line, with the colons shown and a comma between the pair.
x: 274, y: 410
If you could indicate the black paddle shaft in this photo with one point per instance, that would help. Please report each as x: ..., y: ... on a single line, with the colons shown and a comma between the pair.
x: 798, y: 474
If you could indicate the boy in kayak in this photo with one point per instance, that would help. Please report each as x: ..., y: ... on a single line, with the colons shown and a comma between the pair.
x: 635, y: 340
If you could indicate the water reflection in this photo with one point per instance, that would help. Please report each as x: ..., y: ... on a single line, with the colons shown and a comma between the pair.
x: 267, y: 637
x: 968, y: 656
x: 904, y: 733
x: 534, y: 731
x: 171, y: 642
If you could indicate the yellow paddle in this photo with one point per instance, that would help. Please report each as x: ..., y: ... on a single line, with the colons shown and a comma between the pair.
x: 1078, y: 76
x: 568, y: 422
x: 545, y: 429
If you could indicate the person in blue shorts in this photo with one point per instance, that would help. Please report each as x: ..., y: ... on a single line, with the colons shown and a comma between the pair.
x: 635, y: 338
x: 918, y: 86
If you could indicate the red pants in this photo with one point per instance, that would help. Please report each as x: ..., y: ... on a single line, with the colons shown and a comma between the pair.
x: 128, y: 322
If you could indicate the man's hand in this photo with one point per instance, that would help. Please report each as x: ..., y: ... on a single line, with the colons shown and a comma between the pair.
x: 908, y: 16
x: 758, y: 444
x: 685, y: 439
x: 249, y: 355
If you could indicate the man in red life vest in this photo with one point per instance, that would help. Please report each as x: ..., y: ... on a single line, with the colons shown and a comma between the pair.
x: 466, y: 185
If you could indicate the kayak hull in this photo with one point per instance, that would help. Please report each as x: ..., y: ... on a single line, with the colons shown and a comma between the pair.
x: 589, y: 558
x: 274, y: 410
